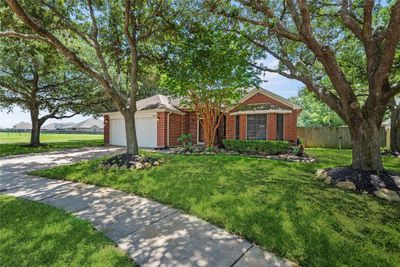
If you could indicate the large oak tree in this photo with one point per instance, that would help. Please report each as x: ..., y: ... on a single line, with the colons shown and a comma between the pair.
x: 35, y: 78
x: 310, y: 38
x: 112, y: 42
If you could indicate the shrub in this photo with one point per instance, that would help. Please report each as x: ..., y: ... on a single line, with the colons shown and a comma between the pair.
x: 210, y: 149
x: 257, y: 146
x: 298, y: 148
x: 186, y: 142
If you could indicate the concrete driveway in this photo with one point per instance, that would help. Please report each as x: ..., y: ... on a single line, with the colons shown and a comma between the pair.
x: 151, y: 233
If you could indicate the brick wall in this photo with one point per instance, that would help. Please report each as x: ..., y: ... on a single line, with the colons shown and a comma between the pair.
x: 106, y: 135
x: 176, y: 128
x: 191, y: 125
x: 242, y: 127
x: 180, y: 124
x: 162, y: 129
x: 230, y: 127
x: 290, y: 122
x: 271, y: 126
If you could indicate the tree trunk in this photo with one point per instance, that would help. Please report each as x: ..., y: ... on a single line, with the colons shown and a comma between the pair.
x: 35, y: 132
x: 366, y: 147
x: 209, y: 136
x: 131, y: 139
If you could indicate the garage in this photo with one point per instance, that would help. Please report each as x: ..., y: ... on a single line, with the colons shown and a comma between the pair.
x: 146, y: 130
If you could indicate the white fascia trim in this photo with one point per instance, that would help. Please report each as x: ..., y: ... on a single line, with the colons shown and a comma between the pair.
x: 139, y: 114
x: 168, y: 110
x: 117, y: 114
x: 261, y: 112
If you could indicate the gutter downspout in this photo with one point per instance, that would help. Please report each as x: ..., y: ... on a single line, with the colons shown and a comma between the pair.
x: 168, y: 128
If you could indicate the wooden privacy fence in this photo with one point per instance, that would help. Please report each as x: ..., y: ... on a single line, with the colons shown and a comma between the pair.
x: 333, y: 137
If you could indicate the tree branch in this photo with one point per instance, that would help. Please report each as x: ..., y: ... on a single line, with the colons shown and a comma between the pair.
x: 149, y: 29
x: 68, y: 23
x: 276, y: 26
x: 24, y: 36
x: 394, y: 90
x: 53, y: 115
x: 391, y: 41
x: 349, y: 20
x: 68, y: 53
x: 96, y: 46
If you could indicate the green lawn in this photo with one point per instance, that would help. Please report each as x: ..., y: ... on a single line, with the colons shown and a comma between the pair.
x: 10, y: 143
x: 33, y: 234
x: 279, y: 205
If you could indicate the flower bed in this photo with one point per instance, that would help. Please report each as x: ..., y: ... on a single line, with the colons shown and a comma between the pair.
x: 288, y: 155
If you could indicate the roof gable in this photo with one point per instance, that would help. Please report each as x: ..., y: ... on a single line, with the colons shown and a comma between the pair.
x: 280, y: 101
x: 157, y: 103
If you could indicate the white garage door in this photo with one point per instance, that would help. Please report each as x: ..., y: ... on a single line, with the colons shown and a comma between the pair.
x: 146, y: 131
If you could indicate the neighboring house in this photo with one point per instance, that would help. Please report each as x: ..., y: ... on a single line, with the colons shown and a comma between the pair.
x: 87, y: 126
x: 22, y: 126
x: 260, y: 115
x: 57, y: 126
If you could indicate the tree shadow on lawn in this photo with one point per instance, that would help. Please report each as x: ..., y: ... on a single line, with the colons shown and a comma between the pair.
x: 279, y: 205
x: 35, y: 234
x: 301, y: 219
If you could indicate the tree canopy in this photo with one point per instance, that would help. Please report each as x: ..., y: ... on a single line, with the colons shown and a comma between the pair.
x: 314, y: 112
x: 116, y: 43
x: 209, y: 69
x: 36, y: 79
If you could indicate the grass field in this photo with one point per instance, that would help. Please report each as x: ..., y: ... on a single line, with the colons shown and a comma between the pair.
x: 33, y: 234
x: 279, y: 205
x: 11, y: 137
x: 10, y: 143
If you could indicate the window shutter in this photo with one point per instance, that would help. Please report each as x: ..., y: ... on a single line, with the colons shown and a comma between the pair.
x: 279, y: 126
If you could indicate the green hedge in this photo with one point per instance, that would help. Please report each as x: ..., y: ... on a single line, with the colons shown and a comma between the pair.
x: 257, y: 146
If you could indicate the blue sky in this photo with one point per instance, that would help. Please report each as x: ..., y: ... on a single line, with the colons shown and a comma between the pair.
x: 274, y: 82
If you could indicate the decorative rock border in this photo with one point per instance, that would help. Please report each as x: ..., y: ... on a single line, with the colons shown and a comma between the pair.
x: 125, y: 161
x: 218, y: 151
x: 385, y: 185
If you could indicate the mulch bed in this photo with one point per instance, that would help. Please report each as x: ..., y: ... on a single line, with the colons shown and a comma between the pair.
x: 384, y: 184
x: 365, y: 180
x: 220, y: 151
x: 395, y: 154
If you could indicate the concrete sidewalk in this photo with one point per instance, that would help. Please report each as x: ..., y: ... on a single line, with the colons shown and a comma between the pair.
x: 151, y: 233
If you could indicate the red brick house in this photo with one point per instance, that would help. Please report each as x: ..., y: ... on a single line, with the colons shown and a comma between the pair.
x: 260, y: 115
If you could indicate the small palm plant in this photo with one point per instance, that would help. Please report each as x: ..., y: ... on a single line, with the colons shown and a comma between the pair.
x: 186, y: 142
